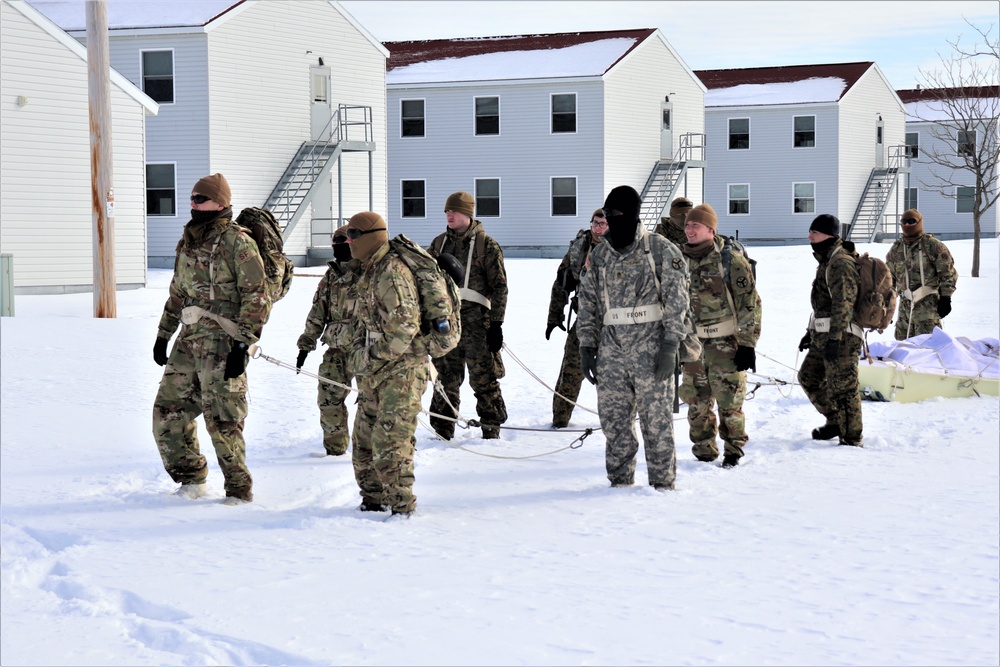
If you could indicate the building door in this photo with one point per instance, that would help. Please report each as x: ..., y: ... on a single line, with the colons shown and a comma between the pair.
x: 320, y: 108
x: 320, y: 113
x: 666, y: 129
x: 879, y: 144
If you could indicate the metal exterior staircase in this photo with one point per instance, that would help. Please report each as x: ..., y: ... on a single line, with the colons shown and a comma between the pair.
x: 867, y: 220
x: 662, y: 184
x: 349, y: 130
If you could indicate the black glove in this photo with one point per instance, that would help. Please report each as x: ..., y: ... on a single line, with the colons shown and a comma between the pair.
x: 160, y: 351
x: 944, y: 306
x: 301, y: 359
x: 236, y: 361
x: 666, y: 360
x: 552, y: 325
x: 494, y: 337
x: 804, y: 343
x: 588, y: 363
x: 746, y: 359
x: 451, y: 266
x: 832, y: 349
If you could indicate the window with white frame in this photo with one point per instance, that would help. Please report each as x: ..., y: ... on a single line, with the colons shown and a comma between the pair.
x: 161, y: 189
x: 563, y: 112
x: 804, y: 133
x: 411, y: 118
x: 966, y: 142
x: 487, y: 115
x: 564, y: 195
x: 739, y: 134
x: 910, y: 198
x: 912, y: 145
x: 965, y: 199
x: 413, y: 196
x: 488, y: 197
x: 739, y: 199
x: 158, y: 75
x: 803, y: 197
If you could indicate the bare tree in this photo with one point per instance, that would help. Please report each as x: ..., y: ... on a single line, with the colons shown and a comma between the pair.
x: 961, y: 104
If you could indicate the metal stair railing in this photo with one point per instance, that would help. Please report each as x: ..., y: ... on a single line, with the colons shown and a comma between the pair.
x: 661, y: 186
x: 871, y: 207
x: 314, y: 160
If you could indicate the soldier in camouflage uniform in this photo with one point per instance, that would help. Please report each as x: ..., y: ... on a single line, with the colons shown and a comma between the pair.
x: 672, y: 227
x: 567, y: 281
x: 829, y: 373
x: 633, y: 314
x: 924, y: 274
x: 727, y: 315
x: 484, y: 303
x: 218, y: 295
x: 332, y: 317
x: 390, y: 361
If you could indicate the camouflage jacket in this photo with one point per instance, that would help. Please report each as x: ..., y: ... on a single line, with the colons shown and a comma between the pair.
x: 221, y: 272
x: 709, y: 301
x: 906, y: 256
x: 487, y: 275
x: 667, y: 228
x: 568, y: 274
x: 332, y: 312
x: 625, y: 280
x: 387, y: 340
x: 834, y: 297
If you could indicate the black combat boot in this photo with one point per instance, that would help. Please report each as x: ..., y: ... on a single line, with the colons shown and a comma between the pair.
x: 826, y: 432
x: 731, y: 460
x: 368, y: 506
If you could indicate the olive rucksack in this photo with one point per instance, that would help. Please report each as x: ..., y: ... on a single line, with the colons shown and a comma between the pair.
x: 265, y: 231
x: 440, y: 301
x: 731, y: 245
x: 876, y: 302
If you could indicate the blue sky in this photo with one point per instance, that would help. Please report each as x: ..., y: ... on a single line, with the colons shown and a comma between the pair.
x: 901, y: 37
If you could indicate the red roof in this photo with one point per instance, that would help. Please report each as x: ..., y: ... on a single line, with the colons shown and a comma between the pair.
x: 408, y: 53
x: 908, y: 95
x: 728, y: 78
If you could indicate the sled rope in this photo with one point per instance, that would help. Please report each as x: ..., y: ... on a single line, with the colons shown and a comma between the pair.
x: 541, y: 382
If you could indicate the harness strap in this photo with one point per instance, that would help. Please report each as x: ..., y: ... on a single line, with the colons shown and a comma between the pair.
x: 191, y: 314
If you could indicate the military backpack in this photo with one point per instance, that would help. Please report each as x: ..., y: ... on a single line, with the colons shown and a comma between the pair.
x: 730, y: 246
x: 440, y: 301
x: 876, y: 302
x: 265, y: 231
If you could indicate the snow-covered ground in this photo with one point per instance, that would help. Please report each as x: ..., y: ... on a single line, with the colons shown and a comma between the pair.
x: 806, y: 554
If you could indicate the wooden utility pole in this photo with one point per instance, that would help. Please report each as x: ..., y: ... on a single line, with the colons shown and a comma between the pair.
x: 101, y: 174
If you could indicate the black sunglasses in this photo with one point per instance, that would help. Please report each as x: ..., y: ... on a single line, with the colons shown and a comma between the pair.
x: 909, y: 221
x: 199, y: 199
x: 354, y: 234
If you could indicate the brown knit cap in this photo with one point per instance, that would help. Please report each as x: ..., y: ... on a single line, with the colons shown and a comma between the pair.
x: 340, y: 232
x: 599, y: 213
x: 365, y: 245
x: 704, y: 214
x: 680, y: 206
x: 461, y: 202
x: 912, y: 230
x: 214, y: 187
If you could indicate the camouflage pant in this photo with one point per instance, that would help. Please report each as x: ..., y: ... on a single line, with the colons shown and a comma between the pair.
x: 832, y: 387
x: 626, y: 386
x: 923, y: 320
x: 714, y: 379
x: 485, y: 368
x: 570, y: 380
x: 330, y: 399
x: 192, y: 385
x: 383, y: 438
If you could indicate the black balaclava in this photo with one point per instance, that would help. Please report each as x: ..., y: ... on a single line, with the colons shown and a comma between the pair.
x: 622, y: 210
x: 825, y: 223
x: 342, y: 251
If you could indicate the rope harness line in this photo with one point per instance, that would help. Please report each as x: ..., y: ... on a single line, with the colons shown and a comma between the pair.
x: 539, y: 380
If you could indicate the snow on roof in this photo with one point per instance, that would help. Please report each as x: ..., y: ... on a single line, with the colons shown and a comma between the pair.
x: 796, y: 84
x: 510, y: 57
x: 124, y: 14
x: 924, y: 104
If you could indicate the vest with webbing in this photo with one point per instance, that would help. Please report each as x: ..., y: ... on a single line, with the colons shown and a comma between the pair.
x: 477, y: 250
x: 729, y: 325
x: 220, y: 310
x: 638, y: 314
x: 923, y: 290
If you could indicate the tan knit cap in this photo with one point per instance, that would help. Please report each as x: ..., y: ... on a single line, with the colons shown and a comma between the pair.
x: 704, y: 214
x: 215, y: 187
x: 461, y: 202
